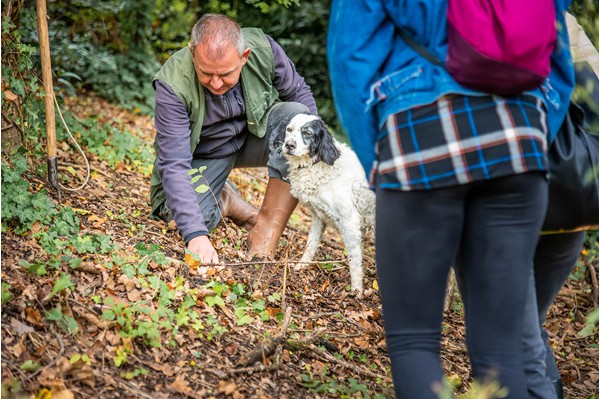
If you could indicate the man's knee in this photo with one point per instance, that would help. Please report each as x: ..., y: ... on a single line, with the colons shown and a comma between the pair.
x: 212, y: 218
x: 280, y: 116
x: 211, y: 211
x: 287, y: 109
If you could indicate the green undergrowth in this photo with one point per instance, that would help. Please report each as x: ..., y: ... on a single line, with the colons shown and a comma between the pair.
x: 167, y: 306
x: 109, y: 141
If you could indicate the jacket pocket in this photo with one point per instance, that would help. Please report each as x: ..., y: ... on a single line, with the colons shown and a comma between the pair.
x: 406, y: 80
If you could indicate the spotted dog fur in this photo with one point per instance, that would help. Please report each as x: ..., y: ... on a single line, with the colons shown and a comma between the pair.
x: 326, y: 177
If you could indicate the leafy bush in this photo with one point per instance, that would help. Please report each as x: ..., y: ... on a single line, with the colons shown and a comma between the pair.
x: 586, y: 12
x: 109, y: 143
x: 19, y: 205
x: 302, y: 32
x: 121, y: 77
x: 22, y: 121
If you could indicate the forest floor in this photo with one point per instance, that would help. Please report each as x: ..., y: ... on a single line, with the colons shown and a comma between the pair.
x: 295, y: 334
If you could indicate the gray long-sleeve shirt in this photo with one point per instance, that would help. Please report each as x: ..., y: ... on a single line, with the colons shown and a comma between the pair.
x: 223, y: 133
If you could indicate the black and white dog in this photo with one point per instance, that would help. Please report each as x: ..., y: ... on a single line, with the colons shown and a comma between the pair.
x: 327, y: 177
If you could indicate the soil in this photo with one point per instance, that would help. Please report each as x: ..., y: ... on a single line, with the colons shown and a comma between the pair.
x: 326, y: 343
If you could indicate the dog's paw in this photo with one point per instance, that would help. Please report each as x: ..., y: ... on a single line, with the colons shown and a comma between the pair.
x: 357, y: 292
x: 369, y: 293
x: 301, y: 265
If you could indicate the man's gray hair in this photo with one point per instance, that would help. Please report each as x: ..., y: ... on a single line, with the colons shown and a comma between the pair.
x: 218, y: 33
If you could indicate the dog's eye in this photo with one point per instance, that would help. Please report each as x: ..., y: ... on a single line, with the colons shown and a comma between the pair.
x: 289, y: 129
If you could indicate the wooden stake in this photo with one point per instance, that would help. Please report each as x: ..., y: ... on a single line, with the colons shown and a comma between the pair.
x: 48, y: 88
x: 47, y: 76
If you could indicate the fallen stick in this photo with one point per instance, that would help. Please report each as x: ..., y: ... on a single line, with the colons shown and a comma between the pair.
x: 330, y: 358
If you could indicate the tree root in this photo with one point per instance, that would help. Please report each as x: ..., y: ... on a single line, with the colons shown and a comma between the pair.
x: 258, y: 356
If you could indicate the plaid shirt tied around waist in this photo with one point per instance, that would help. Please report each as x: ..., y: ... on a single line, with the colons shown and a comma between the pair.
x: 459, y: 140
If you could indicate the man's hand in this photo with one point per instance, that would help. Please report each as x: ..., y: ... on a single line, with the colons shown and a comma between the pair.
x: 202, y: 247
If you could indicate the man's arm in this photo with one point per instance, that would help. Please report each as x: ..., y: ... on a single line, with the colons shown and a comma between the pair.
x: 174, y: 159
x: 290, y: 85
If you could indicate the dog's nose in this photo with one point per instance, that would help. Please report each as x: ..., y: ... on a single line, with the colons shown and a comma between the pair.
x: 290, y: 145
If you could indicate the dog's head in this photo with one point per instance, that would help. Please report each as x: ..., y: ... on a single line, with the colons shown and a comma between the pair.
x: 306, y: 136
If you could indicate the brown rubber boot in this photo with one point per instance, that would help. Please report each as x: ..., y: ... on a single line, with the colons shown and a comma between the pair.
x: 274, y: 213
x: 236, y: 209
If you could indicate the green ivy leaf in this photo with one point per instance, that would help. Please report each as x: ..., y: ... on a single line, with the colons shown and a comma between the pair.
x: 30, y: 365
x: 6, y: 294
x: 214, y: 300
x: 61, y: 284
x: 54, y: 314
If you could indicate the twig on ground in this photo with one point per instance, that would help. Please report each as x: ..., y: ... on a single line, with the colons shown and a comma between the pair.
x: 122, y: 384
x: 271, y: 262
x: 259, y: 367
x: 91, y: 317
x: 362, y: 371
x: 53, y: 361
x: 322, y: 314
x: 283, y: 290
x: 594, y: 279
x: 62, y: 165
x: 89, y: 268
x: 264, y: 349
x: 268, y: 346
x: 287, y: 317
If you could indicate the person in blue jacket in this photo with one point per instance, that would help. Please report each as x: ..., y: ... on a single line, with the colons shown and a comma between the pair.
x: 556, y: 254
x: 438, y: 195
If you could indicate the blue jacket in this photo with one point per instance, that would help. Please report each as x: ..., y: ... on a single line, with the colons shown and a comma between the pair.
x: 374, y: 73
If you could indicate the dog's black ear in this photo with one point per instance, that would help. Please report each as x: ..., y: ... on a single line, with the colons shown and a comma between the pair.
x: 322, y: 147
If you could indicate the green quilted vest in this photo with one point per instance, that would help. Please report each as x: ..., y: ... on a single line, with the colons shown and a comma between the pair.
x: 257, y: 85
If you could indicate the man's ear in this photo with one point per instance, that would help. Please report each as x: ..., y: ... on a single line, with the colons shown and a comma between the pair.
x: 245, y: 56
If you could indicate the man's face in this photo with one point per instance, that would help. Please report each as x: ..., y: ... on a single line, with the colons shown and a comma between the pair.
x: 219, y: 76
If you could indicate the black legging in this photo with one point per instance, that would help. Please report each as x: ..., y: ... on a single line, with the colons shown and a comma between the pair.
x: 494, y: 224
x: 555, y: 257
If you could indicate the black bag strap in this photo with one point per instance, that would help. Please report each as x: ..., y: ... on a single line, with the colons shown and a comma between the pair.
x: 420, y: 49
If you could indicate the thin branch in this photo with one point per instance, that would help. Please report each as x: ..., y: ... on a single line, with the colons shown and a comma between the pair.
x: 359, y: 370
x: 122, y: 384
x: 53, y: 362
x: 66, y: 164
x: 594, y: 279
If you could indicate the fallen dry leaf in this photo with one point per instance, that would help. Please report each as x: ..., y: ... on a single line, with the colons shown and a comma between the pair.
x: 10, y: 96
x: 227, y: 387
x: 191, y: 262
x: 82, y: 372
x: 58, y: 393
x: 97, y: 221
x: 165, y: 368
x: 182, y: 387
x: 33, y: 316
x: 273, y: 312
x: 20, y: 328
x: 232, y: 348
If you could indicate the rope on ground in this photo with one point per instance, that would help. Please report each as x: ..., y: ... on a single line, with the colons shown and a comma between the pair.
x: 87, y: 163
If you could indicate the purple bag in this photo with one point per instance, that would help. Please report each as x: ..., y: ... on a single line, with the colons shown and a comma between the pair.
x: 500, y: 46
